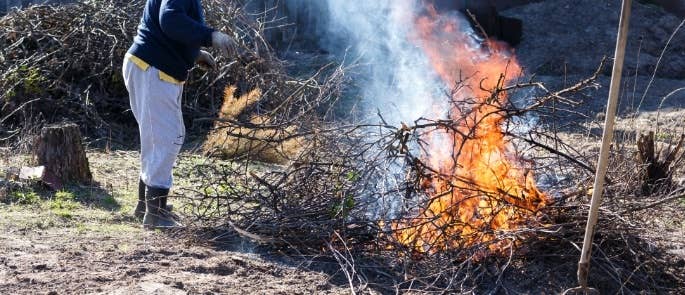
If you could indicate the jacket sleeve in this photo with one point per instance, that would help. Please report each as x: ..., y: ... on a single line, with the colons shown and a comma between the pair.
x: 179, y: 26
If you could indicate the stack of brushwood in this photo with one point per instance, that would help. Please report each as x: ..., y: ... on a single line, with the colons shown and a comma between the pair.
x: 63, y: 63
x: 340, y: 196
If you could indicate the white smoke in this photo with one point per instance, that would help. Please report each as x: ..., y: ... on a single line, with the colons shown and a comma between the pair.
x: 396, y: 78
x: 392, y: 73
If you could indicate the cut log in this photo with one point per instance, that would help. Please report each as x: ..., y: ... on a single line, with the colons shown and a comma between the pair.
x: 59, y: 149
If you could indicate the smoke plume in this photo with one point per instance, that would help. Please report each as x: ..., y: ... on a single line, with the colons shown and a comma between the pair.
x: 397, y: 78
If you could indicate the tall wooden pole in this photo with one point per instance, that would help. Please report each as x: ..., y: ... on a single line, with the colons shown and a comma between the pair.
x: 607, y: 137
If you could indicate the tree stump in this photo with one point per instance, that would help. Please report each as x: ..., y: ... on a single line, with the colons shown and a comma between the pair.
x: 59, y: 149
x: 657, y: 165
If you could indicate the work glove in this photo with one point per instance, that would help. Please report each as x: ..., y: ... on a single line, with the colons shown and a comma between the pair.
x: 222, y: 42
x: 206, y: 60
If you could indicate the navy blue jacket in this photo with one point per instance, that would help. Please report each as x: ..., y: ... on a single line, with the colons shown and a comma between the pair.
x: 170, y: 35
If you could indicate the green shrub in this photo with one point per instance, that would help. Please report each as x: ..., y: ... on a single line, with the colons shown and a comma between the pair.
x: 26, y: 198
x: 63, y: 202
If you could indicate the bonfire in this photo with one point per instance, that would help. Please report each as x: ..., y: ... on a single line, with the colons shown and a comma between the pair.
x: 477, y: 186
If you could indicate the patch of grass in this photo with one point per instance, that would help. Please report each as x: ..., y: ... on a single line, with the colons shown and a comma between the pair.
x: 25, y: 197
x: 63, y: 204
x: 29, y: 217
x: 81, y: 228
x: 90, y: 197
x: 64, y: 213
x: 123, y: 201
x: 64, y: 199
x: 44, y: 223
x: 109, y: 202
x: 127, y: 196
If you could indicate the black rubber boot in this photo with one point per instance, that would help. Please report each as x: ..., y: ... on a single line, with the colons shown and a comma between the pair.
x: 139, y: 212
x: 157, y: 216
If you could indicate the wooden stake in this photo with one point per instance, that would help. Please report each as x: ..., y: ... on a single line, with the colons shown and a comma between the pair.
x: 607, y: 137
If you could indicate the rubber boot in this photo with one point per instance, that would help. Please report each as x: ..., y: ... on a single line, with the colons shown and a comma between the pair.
x: 155, y: 215
x: 139, y: 212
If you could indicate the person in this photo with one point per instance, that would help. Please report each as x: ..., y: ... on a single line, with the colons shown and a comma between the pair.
x: 167, y: 45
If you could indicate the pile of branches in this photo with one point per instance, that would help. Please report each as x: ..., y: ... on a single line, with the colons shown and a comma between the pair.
x: 61, y: 62
x: 337, y: 199
x: 64, y: 62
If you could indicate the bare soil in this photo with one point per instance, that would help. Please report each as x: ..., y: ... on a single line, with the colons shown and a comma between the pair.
x: 64, y: 261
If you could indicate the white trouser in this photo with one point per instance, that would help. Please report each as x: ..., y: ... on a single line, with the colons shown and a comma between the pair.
x: 156, y: 105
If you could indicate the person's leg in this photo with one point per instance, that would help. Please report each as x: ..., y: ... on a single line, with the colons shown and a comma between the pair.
x: 132, y: 76
x: 156, y: 104
x: 162, y: 125
x: 161, y: 129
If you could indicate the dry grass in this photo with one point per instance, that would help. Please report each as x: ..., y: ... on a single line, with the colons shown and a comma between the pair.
x: 255, y: 140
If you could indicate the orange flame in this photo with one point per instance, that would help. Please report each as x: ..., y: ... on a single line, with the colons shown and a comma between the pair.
x: 478, y: 190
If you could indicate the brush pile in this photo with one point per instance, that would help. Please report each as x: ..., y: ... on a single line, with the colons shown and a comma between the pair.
x: 63, y: 63
x: 340, y: 199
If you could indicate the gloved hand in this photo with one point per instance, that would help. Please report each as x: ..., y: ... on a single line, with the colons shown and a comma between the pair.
x: 206, y: 60
x: 222, y: 42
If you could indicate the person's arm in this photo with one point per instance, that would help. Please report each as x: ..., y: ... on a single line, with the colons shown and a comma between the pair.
x: 177, y: 25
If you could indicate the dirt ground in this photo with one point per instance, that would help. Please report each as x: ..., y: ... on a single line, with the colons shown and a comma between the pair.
x: 94, y: 246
